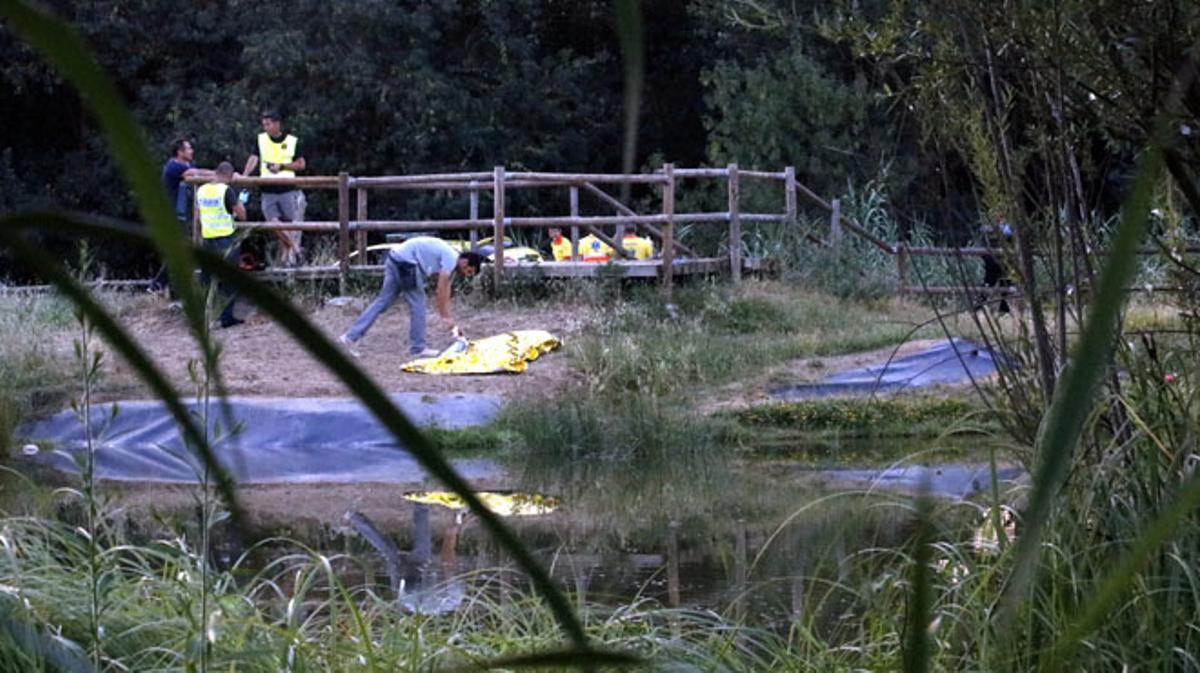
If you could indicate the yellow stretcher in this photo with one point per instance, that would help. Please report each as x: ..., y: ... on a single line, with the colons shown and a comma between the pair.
x: 508, y: 352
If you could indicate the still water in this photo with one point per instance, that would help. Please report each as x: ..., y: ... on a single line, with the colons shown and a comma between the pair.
x: 760, y: 541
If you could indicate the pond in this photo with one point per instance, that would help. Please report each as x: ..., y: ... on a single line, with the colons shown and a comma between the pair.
x: 761, y: 541
x: 764, y: 540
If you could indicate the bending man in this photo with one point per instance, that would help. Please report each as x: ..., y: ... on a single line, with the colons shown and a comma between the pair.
x: 405, y: 269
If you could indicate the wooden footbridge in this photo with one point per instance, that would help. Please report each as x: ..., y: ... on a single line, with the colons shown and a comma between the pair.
x: 675, y: 258
x: 354, y: 195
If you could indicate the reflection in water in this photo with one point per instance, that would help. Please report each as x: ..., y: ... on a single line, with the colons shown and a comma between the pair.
x: 420, y: 586
x: 749, y: 540
x: 699, y: 530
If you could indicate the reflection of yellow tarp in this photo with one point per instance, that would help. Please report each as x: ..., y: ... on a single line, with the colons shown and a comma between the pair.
x: 508, y: 352
x: 504, y: 504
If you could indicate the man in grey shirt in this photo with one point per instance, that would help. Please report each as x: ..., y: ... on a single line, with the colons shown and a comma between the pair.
x: 404, y: 271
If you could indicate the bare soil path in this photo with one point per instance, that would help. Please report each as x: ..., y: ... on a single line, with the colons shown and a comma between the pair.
x: 260, y: 359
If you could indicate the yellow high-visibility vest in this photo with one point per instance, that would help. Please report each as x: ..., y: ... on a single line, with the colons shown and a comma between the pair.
x: 271, y: 152
x: 215, y: 220
x: 592, y: 249
x: 561, y: 248
x: 637, y: 247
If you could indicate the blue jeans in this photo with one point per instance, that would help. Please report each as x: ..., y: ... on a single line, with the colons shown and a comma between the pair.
x: 398, y: 277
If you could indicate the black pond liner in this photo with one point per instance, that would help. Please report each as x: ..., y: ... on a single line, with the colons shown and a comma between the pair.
x: 281, y: 440
x: 953, y: 361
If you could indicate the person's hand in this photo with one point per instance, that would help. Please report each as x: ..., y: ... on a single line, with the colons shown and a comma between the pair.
x: 274, y: 168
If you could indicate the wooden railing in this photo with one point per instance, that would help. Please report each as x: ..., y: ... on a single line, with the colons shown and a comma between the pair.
x: 352, y: 232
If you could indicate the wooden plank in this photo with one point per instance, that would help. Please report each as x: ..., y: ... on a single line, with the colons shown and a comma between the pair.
x: 681, y: 173
x: 299, y: 182
x: 735, y: 225
x: 762, y: 217
x: 789, y: 193
x: 668, y: 207
x: 574, y: 206
x: 320, y: 225
x: 472, y: 186
x: 474, y: 215
x: 360, y: 235
x: 624, y: 178
x: 343, y: 223
x: 392, y: 180
x: 498, y: 225
x: 764, y: 175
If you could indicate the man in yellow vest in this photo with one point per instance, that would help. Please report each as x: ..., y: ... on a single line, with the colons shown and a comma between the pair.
x: 560, y: 246
x: 218, y: 207
x: 592, y: 249
x: 277, y: 155
x: 634, y: 246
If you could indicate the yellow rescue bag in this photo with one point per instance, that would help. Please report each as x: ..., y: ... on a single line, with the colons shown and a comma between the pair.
x: 508, y: 352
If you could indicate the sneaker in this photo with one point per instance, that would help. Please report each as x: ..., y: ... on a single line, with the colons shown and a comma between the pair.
x: 231, y: 322
x: 349, y: 345
x: 427, y: 353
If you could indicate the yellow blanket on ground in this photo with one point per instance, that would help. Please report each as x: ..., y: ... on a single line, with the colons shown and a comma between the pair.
x: 508, y: 352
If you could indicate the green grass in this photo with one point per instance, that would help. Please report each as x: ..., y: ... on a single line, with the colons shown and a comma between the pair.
x: 34, y: 373
x: 855, y: 417
x: 714, y: 334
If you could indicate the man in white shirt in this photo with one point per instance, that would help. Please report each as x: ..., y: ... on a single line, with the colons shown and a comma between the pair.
x: 405, y: 270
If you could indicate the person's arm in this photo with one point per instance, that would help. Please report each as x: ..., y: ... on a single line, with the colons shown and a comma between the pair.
x: 251, y: 163
x: 443, y: 299
x: 199, y: 173
x: 234, y: 206
x: 296, y: 164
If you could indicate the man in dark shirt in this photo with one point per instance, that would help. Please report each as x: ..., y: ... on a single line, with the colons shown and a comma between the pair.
x: 175, y: 171
x: 277, y: 155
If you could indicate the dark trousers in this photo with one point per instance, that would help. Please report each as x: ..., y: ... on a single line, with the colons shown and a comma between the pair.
x: 993, y: 276
x: 225, y: 246
x: 161, y: 279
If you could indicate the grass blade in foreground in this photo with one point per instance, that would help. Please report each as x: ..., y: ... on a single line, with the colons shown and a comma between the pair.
x: 1118, y: 580
x: 916, y: 642
x: 364, y: 389
x: 66, y: 51
x: 41, y: 264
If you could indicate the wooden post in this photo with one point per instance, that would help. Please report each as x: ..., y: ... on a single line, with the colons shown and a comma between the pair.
x: 835, y: 224
x: 474, y: 214
x: 498, y: 225
x: 735, y: 226
x: 902, y: 265
x: 574, y: 228
x: 360, y: 237
x: 343, y: 229
x: 789, y: 193
x: 668, y: 255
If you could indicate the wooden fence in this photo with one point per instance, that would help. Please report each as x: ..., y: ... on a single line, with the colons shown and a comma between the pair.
x: 676, y: 257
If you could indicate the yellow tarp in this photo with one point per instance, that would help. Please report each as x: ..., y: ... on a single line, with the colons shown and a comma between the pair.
x: 508, y: 352
x: 504, y: 504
